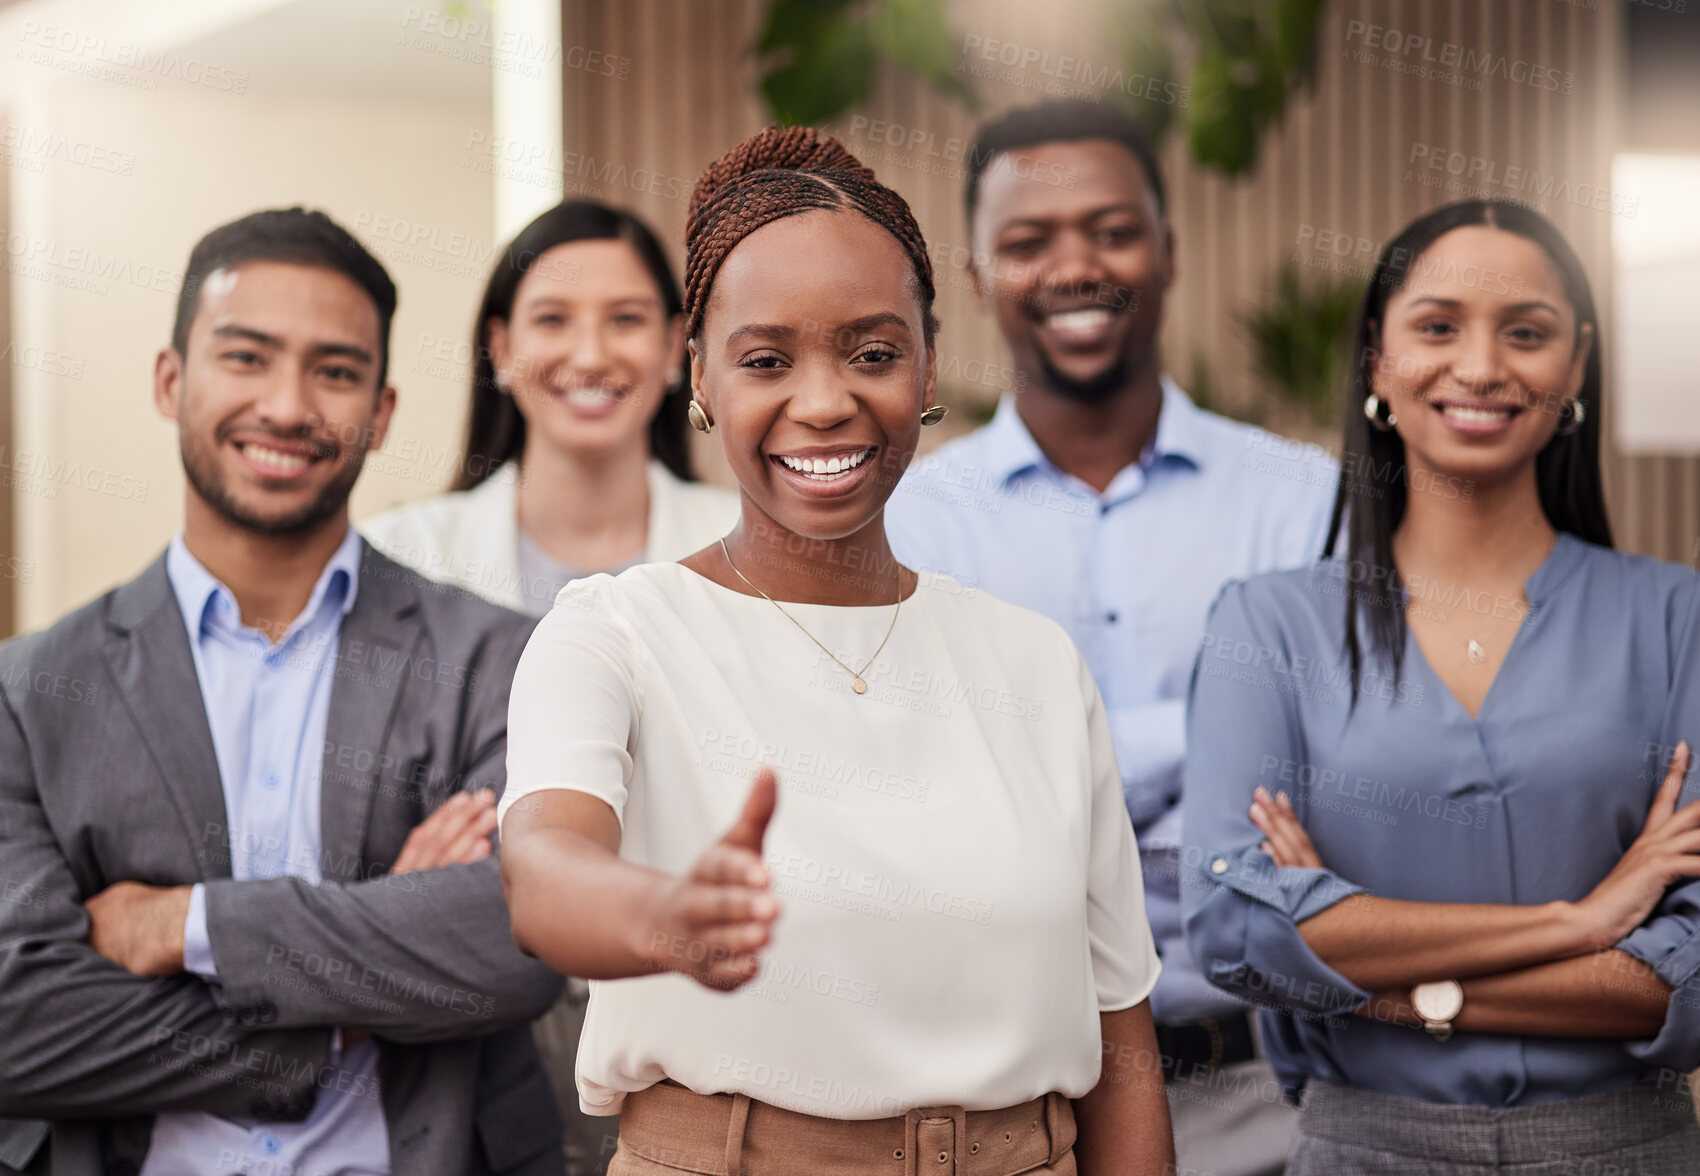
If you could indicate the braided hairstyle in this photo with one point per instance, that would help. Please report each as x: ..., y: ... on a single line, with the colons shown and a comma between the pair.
x: 779, y: 173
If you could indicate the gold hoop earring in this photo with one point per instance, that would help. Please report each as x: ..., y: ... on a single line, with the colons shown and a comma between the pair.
x: 935, y: 414
x: 698, y: 418
x: 1571, y: 417
x: 1372, y: 412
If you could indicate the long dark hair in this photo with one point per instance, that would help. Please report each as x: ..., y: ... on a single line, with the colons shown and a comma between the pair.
x: 1373, y: 476
x: 495, y: 430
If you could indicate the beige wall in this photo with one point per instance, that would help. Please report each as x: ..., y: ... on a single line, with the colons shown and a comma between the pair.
x: 14, y: 565
x: 1340, y: 163
x: 100, y: 492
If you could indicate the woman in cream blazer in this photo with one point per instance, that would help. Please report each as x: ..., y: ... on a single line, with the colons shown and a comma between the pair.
x: 576, y: 462
x: 471, y: 537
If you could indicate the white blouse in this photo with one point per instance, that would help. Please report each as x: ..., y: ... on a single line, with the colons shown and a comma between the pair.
x: 959, y: 887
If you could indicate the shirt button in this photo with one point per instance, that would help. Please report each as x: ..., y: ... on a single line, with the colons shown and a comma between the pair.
x: 272, y: 1144
x: 1110, y: 617
x: 270, y: 780
x: 1103, y: 508
x: 1219, y: 866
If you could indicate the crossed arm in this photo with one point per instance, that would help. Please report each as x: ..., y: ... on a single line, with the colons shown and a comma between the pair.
x: 100, y: 1018
x: 420, y: 954
x: 84, y: 1037
x: 1547, y: 970
x: 1274, y: 924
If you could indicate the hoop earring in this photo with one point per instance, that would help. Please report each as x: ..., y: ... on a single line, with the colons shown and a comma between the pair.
x: 1372, y: 412
x: 698, y: 418
x: 935, y: 414
x: 1571, y: 417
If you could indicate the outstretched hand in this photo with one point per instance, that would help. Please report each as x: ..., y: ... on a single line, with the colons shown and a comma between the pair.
x: 713, y: 922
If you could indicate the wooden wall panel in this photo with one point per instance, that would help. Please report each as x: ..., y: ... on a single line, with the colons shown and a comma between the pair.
x: 1339, y: 161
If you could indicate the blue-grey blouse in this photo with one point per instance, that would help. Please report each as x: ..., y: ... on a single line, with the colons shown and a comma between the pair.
x: 1408, y: 797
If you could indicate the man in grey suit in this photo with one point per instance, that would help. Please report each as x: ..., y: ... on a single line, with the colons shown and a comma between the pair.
x: 250, y: 915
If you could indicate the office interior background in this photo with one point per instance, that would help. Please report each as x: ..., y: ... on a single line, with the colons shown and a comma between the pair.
x: 435, y: 128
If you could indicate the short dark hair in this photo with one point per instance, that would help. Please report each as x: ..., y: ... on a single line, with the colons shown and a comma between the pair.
x: 293, y: 236
x: 1060, y: 121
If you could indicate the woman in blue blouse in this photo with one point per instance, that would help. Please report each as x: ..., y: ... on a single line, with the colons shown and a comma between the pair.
x: 1432, y: 814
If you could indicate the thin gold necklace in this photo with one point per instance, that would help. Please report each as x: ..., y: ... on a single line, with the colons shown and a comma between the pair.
x: 856, y: 682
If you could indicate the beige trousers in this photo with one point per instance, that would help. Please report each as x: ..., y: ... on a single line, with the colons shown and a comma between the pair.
x: 667, y: 1129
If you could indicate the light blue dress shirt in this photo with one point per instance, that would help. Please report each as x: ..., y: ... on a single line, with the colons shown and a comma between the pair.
x: 1130, y: 574
x: 1532, y: 801
x: 267, y: 706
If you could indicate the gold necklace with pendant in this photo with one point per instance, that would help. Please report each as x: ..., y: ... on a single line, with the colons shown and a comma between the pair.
x: 857, y: 683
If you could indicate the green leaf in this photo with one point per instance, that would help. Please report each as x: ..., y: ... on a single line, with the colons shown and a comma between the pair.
x: 1145, y: 52
x: 1300, y: 336
x: 1296, y: 23
x: 1268, y: 80
x: 914, y: 33
x: 1228, y: 26
x: 1225, y: 116
x: 823, y: 78
x: 798, y: 24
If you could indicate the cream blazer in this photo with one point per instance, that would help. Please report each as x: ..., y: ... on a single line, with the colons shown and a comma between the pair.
x: 471, y: 537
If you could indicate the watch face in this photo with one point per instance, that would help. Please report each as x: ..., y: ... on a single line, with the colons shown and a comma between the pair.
x: 1439, y: 1001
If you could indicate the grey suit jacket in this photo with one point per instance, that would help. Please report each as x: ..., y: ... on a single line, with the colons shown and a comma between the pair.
x: 107, y: 773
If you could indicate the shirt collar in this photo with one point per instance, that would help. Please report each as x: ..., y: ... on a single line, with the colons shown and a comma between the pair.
x: 200, y: 593
x: 1564, y: 558
x: 1008, y: 449
x: 1180, y: 428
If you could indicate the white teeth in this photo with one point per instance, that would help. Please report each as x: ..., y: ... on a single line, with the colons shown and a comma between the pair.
x: 1089, y: 319
x: 1461, y: 412
x: 287, y: 463
x: 582, y: 395
x: 821, y: 468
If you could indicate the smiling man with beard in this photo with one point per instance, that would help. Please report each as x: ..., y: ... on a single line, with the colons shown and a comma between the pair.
x: 267, y: 929
x: 1103, y: 497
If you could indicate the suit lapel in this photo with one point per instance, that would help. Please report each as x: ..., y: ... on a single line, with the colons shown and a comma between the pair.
x: 379, y: 638
x: 154, y: 672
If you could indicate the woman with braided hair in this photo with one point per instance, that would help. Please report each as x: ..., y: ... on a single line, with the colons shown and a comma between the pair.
x: 931, y: 955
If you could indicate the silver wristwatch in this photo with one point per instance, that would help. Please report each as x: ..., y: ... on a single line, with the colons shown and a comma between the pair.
x: 1437, y: 1003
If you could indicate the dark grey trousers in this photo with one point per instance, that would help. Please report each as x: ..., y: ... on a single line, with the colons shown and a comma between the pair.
x: 1638, y: 1132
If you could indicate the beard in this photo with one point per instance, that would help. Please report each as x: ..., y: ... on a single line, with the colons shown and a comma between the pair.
x: 1093, y: 389
x: 201, y: 468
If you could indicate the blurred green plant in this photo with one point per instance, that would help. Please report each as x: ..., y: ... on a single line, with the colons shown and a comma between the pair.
x: 1245, y: 60
x: 819, y: 57
x: 1201, y: 385
x: 1248, y: 58
x: 1299, y: 338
